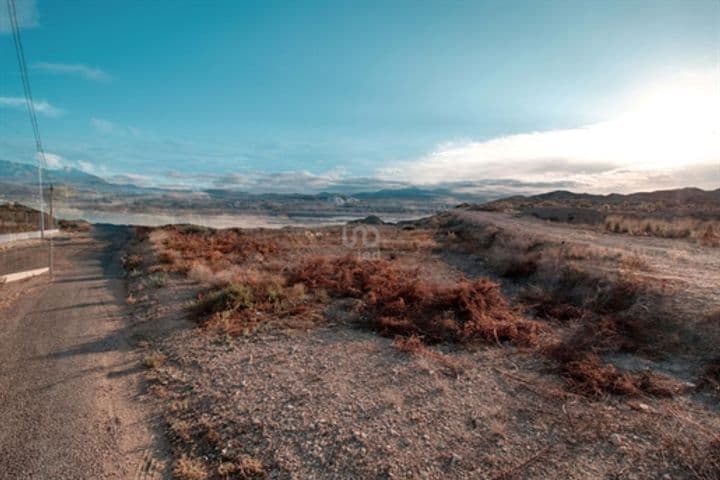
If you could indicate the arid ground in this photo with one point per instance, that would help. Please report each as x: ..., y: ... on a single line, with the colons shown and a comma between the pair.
x: 471, y: 344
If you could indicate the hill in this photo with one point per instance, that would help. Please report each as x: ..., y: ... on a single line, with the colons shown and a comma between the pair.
x: 15, y: 217
x: 25, y: 173
x: 588, y: 208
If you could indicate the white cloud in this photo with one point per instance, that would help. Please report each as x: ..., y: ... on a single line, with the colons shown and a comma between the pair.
x: 27, y: 15
x: 53, y: 160
x: 108, y: 127
x: 86, y: 167
x: 41, y: 106
x: 671, y: 130
x: 91, y: 73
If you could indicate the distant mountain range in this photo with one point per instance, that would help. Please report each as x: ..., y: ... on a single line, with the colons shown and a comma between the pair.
x: 22, y: 178
x: 24, y: 173
x: 81, y: 190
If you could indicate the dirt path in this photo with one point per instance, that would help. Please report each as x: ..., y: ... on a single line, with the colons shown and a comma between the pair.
x: 68, y: 379
x: 694, y: 267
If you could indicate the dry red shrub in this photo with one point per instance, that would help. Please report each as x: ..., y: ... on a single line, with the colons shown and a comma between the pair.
x: 398, y: 302
x: 587, y: 374
x: 217, y: 248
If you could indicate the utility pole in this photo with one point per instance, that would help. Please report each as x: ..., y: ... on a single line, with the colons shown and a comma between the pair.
x: 40, y: 186
x: 51, y: 221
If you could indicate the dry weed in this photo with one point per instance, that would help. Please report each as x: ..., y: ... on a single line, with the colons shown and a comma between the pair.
x: 190, y: 468
x: 414, y: 345
x: 705, y: 232
x: 154, y: 360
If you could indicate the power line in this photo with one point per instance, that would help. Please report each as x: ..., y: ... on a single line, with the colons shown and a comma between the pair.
x: 20, y: 53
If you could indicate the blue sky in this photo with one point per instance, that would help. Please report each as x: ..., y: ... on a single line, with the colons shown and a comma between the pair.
x: 274, y: 95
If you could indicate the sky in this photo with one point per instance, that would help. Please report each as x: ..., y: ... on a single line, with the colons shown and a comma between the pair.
x: 284, y: 96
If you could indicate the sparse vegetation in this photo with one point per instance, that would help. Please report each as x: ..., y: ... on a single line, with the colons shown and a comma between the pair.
x: 15, y: 217
x: 156, y: 280
x: 454, y: 297
x: 132, y: 262
x: 400, y: 303
x: 705, y: 232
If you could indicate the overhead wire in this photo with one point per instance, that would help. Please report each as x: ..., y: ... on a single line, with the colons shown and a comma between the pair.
x: 20, y: 53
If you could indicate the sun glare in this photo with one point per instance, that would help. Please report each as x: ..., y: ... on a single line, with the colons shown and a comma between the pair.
x: 674, y: 123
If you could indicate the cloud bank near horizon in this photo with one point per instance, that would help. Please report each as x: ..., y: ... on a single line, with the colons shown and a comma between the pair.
x: 669, y: 137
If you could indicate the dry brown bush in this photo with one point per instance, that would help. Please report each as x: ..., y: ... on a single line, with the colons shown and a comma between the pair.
x: 398, y: 302
x: 577, y: 356
x: 587, y: 374
x: 251, y: 298
x: 132, y: 262
x: 217, y: 249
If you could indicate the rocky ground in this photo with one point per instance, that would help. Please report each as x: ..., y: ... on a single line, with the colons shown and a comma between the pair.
x: 316, y: 390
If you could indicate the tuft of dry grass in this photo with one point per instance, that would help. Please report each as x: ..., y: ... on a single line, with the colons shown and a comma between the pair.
x: 190, y: 468
x: 705, y: 232
x: 180, y: 429
x: 250, y: 467
x: 414, y: 345
x: 550, y: 307
x: 154, y: 360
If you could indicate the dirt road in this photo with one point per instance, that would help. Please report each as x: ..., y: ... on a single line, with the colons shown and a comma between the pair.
x: 693, y: 268
x: 68, y: 379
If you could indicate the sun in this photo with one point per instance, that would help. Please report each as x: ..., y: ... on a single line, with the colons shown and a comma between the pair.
x: 675, y: 122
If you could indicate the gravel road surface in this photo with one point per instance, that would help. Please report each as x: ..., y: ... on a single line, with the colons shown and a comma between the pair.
x: 69, y: 382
